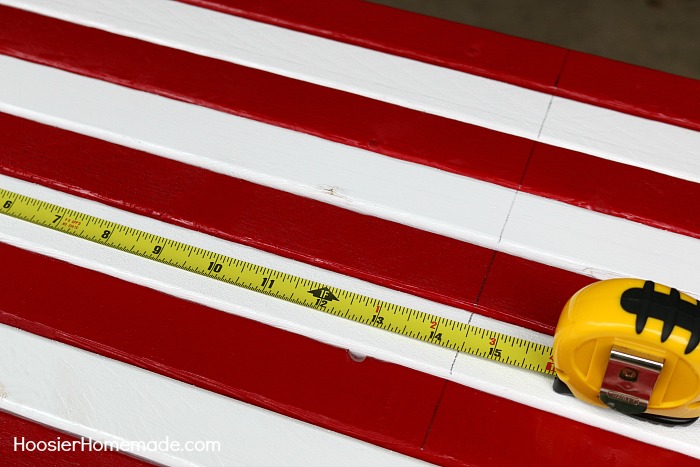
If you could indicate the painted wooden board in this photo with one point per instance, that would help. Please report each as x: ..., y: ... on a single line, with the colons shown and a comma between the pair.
x: 446, y: 204
x: 409, y: 83
x: 109, y: 401
x: 329, y: 372
x: 567, y: 73
x: 386, y: 129
x: 362, y: 157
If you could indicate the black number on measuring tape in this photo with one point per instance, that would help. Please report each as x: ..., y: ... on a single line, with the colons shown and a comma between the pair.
x: 378, y: 319
x: 7, y: 205
x: 216, y: 267
x: 267, y: 282
x: 58, y: 218
x: 106, y: 234
x: 157, y: 249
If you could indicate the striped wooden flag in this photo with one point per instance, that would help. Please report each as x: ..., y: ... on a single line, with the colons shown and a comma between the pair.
x: 446, y: 168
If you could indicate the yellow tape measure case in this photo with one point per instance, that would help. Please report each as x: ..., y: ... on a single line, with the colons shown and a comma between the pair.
x: 631, y: 345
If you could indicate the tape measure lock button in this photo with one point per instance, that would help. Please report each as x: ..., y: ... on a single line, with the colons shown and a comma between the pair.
x: 631, y: 345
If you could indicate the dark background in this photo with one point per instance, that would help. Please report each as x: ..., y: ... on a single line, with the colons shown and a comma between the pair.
x: 660, y: 34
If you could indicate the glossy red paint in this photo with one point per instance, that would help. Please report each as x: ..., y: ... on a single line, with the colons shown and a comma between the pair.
x: 529, y: 293
x: 369, y: 248
x: 375, y: 401
x: 587, y: 78
x: 369, y: 400
x: 621, y: 190
x: 13, y: 427
x: 343, y: 117
x: 477, y: 429
x: 444, y: 43
x: 384, y: 128
x: 631, y: 89
x: 393, y: 255
x: 385, y: 404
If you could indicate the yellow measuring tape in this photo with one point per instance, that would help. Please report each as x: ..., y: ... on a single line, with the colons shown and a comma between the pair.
x: 356, y: 307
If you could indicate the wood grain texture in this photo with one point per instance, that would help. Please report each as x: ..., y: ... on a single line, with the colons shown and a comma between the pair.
x: 239, y: 358
x: 587, y: 78
x: 620, y: 190
x: 473, y: 50
x: 236, y: 357
x: 482, y: 432
x: 630, y: 140
x: 502, y: 380
x: 631, y: 89
x: 390, y: 78
x: 268, y: 155
x: 211, y: 107
x: 464, y: 149
x: 320, y: 111
x: 599, y: 245
x: 388, y: 253
x: 109, y: 401
x: 394, y: 255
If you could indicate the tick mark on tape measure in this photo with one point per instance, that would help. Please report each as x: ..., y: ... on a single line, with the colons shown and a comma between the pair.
x: 361, y: 309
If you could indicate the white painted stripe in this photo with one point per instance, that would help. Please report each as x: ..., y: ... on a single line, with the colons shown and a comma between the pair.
x: 109, y: 401
x: 415, y: 195
x: 389, y: 78
x: 519, y: 385
x: 600, y: 245
x: 363, y: 181
x: 623, y: 138
x: 409, y: 83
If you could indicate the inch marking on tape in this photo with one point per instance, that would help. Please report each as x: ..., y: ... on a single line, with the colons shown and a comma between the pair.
x: 318, y: 296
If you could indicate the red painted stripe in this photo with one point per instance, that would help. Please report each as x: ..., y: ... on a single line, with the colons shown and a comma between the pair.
x: 391, y: 130
x: 444, y: 43
x: 372, y: 249
x: 631, y: 89
x: 236, y: 357
x: 14, y: 428
x: 387, y: 253
x: 477, y: 429
x: 393, y: 255
x: 587, y: 78
x: 521, y: 290
x: 432, y: 420
x: 335, y: 115
x: 624, y: 191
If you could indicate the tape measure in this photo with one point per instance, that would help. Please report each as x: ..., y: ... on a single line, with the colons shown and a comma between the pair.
x: 342, y: 303
x: 634, y: 346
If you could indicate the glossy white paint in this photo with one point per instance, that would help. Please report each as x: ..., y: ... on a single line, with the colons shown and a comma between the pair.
x: 600, y: 245
x: 409, y: 83
x: 623, y: 138
x: 109, y: 401
x: 302, y: 56
x: 477, y: 212
x: 535, y: 228
x: 427, y: 198
x: 519, y: 385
